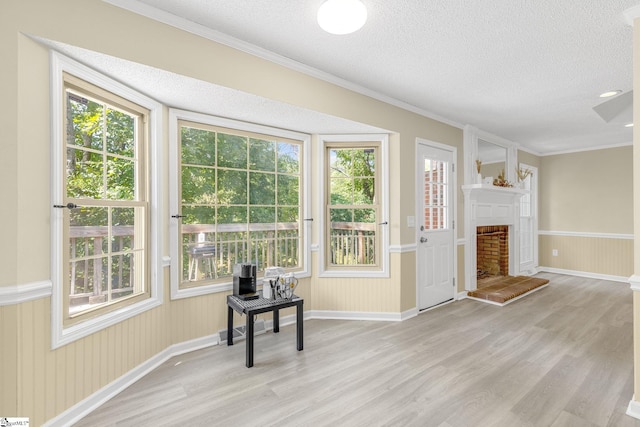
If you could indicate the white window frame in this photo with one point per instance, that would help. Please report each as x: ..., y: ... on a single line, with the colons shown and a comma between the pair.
x: 383, y: 270
x: 534, y: 215
x: 61, y: 335
x: 175, y: 115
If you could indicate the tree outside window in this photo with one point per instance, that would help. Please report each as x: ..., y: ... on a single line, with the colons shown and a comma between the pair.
x: 352, y: 205
x: 105, y: 177
x: 240, y: 201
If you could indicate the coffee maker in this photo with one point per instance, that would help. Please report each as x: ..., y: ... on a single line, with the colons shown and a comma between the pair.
x: 244, y: 281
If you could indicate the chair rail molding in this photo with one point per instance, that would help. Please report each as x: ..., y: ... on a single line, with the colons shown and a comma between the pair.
x: 17, y: 294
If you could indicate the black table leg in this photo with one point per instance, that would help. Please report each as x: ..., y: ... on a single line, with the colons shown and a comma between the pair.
x: 299, y: 326
x: 249, y: 330
x: 241, y: 307
x: 276, y: 321
x: 230, y: 326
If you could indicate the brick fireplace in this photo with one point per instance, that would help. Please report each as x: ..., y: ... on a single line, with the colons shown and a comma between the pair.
x: 492, y: 222
x: 492, y: 251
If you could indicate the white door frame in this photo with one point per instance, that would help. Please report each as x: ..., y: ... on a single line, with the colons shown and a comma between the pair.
x: 454, y: 213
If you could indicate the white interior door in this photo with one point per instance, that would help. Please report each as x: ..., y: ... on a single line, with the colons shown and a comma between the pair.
x: 435, y: 235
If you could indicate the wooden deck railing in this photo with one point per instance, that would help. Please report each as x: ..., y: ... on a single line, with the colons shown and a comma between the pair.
x: 88, y: 244
x: 267, y: 244
x: 353, y: 243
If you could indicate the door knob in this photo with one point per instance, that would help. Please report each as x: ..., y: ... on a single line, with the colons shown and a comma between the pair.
x: 423, y: 240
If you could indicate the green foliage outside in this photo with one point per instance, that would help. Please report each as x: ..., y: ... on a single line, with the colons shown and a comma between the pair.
x: 247, y: 182
x: 352, y: 184
x: 100, y: 155
x: 100, y: 165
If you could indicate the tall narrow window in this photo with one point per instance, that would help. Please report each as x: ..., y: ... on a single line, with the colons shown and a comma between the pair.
x: 528, y: 221
x: 105, y: 186
x: 240, y: 200
x: 353, y: 205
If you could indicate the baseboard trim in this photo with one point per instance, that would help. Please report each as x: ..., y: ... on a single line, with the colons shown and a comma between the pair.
x: 633, y: 410
x: 634, y: 282
x: 360, y: 315
x: 409, y: 314
x: 92, y: 402
x: 587, y: 274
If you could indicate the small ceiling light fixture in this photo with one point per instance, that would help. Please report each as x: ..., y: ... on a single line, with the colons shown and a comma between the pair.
x: 342, y: 16
x: 629, y: 125
x: 610, y: 93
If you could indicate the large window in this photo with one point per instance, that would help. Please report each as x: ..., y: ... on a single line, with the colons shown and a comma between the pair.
x: 355, y: 216
x: 104, y: 245
x: 239, y: 199
x: 105, y: 177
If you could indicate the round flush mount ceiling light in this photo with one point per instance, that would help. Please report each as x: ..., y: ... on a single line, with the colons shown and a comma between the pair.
x: 610, y: 93
x: 342, y: 16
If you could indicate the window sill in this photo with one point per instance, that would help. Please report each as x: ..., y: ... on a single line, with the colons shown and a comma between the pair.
x: 201, y: 290
x: 379, y: 274
x: 64, y: 336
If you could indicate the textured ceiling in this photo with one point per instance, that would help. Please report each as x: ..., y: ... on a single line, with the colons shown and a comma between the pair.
x: 528, y: 71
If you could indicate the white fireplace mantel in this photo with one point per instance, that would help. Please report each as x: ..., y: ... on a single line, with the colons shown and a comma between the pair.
x: 486, y: 205
x: 489, y: 191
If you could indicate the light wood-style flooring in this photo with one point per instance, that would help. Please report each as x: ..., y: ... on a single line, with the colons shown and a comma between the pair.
x: 558, y: 357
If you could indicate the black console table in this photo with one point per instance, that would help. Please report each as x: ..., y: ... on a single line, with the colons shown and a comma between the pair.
x: 262, y: 305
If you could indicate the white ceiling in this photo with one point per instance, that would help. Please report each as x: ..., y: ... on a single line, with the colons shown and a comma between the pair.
x: 528, y: 71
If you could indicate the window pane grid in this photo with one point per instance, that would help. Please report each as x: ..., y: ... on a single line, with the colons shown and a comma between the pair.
x: 242, y: 206
x: 526, y: 224
x: 352, y: 206
x: 436, y: 203
x: 107, y: 233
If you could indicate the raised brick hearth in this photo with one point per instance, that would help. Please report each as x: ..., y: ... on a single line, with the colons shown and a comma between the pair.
x: 492, y: 251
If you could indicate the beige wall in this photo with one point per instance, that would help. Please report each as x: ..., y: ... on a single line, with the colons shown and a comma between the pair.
x: 589, y: 191
x: 528, y: 159
x: 40, y: 383
x: 605, y: 256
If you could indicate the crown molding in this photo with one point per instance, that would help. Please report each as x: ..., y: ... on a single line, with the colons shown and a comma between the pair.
x: 581, y: 150
x: 631, y: 14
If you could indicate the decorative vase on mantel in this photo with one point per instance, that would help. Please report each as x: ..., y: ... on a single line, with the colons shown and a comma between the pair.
x: 478, y: 178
